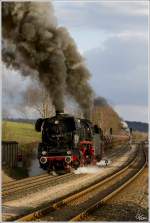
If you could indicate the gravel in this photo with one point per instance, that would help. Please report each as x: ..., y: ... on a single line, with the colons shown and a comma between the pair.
x: 131, y: 204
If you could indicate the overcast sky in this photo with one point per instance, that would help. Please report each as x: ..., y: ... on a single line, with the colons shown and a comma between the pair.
x: 113, y: 38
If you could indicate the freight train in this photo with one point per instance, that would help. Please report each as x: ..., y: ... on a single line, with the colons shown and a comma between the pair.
x: 68, y: 142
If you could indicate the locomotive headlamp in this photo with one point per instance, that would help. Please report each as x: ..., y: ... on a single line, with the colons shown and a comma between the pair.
x: 43, y: 160
x: 44, y: 153
x: 69, y: 152
x: 56, y: 122
x: 68, y: 159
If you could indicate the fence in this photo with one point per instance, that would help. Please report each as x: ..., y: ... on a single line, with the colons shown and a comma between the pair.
x: 9, y: 153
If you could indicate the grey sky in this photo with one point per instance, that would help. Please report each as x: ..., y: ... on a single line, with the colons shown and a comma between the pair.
x: 113, y: 38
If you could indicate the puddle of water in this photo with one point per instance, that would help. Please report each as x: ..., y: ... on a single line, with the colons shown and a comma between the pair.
x: 34, y: 168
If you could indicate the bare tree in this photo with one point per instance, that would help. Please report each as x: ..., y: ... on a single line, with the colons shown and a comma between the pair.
x: 39, y: 99
x: 105, y: 117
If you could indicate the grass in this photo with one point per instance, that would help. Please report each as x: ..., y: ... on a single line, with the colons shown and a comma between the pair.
x: 21, y: 132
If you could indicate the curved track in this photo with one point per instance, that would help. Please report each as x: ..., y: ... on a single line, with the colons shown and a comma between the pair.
x: 77, y: 206
x: 115, y: 185
x: 16, y: 187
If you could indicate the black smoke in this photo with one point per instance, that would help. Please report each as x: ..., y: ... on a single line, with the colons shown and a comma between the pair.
x: 100, y: 101
x: 35, y: 45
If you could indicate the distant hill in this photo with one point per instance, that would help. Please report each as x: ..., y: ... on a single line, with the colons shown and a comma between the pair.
x: 138, y: 126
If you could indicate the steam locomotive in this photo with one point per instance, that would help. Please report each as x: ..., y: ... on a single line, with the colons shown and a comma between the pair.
x: 67, y: 142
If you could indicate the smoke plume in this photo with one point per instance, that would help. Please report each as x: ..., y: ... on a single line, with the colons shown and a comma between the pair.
x: 35, y: 45
x: 100, y: 101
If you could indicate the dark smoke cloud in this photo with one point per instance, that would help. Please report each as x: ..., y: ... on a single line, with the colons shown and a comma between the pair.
x: 100, y: 101
x: 33, y: 44
x: 77, y: 74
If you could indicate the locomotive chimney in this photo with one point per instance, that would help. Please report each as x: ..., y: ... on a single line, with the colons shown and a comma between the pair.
x: 59, y: 112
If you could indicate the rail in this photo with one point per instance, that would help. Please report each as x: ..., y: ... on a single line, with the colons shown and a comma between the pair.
x: 70, y: 199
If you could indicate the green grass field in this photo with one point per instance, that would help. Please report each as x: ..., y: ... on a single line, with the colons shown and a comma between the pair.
x: 20, y: 132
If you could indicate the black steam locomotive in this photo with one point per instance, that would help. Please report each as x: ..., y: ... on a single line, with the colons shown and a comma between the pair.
x: 67, y: 142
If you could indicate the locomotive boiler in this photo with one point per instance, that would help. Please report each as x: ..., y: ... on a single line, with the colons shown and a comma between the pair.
x: 67, y: 142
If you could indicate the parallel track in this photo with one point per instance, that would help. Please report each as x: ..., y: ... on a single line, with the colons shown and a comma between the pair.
x: 16, y: 182
x: 30, y: 183
x: 75, y: 207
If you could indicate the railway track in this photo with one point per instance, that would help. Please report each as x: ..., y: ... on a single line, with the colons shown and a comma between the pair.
x: 11, y: 188
x: 31, y: 184
x: 16, y: 183
x: 122, y: 181
x: 77, y: 206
